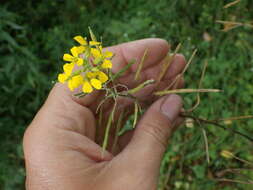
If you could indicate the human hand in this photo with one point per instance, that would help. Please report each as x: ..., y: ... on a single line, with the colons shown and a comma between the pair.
x: 60, y: 148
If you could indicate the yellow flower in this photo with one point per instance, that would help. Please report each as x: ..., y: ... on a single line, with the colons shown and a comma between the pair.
x: 67, y: 68
x: 102, y: 57
x: 107, y: 64
x: 70, y: 86
x: 75, y: 82
x: 108, y: 54
x: 80, y: 40
x: 96, y: 83
x: 95, y: 53
x: 95, y: 80
x: 91, y: 75
x: 102, y: 76
x: 74, y: 58
x: 83, y: 41
x: 87, y: 88
x: 62, y: 77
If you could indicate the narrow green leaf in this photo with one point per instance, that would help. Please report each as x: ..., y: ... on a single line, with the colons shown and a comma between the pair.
x: 107, y: 130
x: 137, y: 74
x: 136, y: 110
x: 92, y: 35
x: 123, y: 70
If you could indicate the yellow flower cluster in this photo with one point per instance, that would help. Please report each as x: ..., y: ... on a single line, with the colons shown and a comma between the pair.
x: 87, y: 65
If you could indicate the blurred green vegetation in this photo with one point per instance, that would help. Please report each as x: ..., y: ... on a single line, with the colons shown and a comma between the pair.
x: 35, y: 34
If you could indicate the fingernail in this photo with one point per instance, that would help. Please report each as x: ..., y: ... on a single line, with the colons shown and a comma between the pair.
x: 171, y: 106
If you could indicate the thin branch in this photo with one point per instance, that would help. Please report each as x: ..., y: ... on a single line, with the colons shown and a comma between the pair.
x: 140, y: 87
x: 234, y: 181
x: 140, y: 66
x: 174, y: 82
x: 182, y: 73
x: 119, y: 123
x: 218, y: 125
x: 242, y: 160
x: 206, y: 146
x: 108, y: 126
x: 229, y: 25
x: 231, y: 4
x: 168, y: 62
x: 237, y: 171
x: 190, y: 61
x: 199, y: 86
x: 236, y: 118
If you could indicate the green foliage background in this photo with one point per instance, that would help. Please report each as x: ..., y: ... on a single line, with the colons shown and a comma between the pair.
x: 35, y: 34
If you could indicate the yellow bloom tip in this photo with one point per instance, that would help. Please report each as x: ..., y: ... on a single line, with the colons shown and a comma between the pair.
x: 87, y: 88
x: 96, y: 83
x: 62, y: 77
x: 80, y: 40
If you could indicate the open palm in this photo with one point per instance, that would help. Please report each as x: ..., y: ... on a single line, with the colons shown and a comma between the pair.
x: 60, y: 147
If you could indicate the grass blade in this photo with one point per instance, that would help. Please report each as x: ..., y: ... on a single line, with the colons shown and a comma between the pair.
x: 231, y: 4
x: 137, y: 74
x: 168, y: 63
x: 181, y: 91
x: 136, y: 110
x: 107, y: 130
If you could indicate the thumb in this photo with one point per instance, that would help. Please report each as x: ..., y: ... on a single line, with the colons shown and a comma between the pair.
x: 150, y: 138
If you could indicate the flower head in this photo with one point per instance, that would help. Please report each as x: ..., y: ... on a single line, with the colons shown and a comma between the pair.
x: 94, y: 80
x: 88, y: 65
x: 74, y: 58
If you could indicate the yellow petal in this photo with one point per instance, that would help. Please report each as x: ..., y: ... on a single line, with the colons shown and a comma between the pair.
x: 96, y: 83
x: 80, y: 49
x: 95, y: 52
x: 62, y: 77
x: 79, y: 62
x: 70, y: 85
x: 90, y: 74
x: 102, y: 76
x: 107, y: 64
x: 87, y: 88
x: 77, y: 81
x: 67, y: 57
x: 74, y: 51
x: 108, y: 54
x: 67, y: 68
x: 80, y: 40
x: 94, y: 43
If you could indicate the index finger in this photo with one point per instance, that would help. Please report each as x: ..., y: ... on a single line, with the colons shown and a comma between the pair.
x: 157, y: 49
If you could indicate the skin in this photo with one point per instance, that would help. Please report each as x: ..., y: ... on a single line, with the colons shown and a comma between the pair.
x: 61, y: 151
